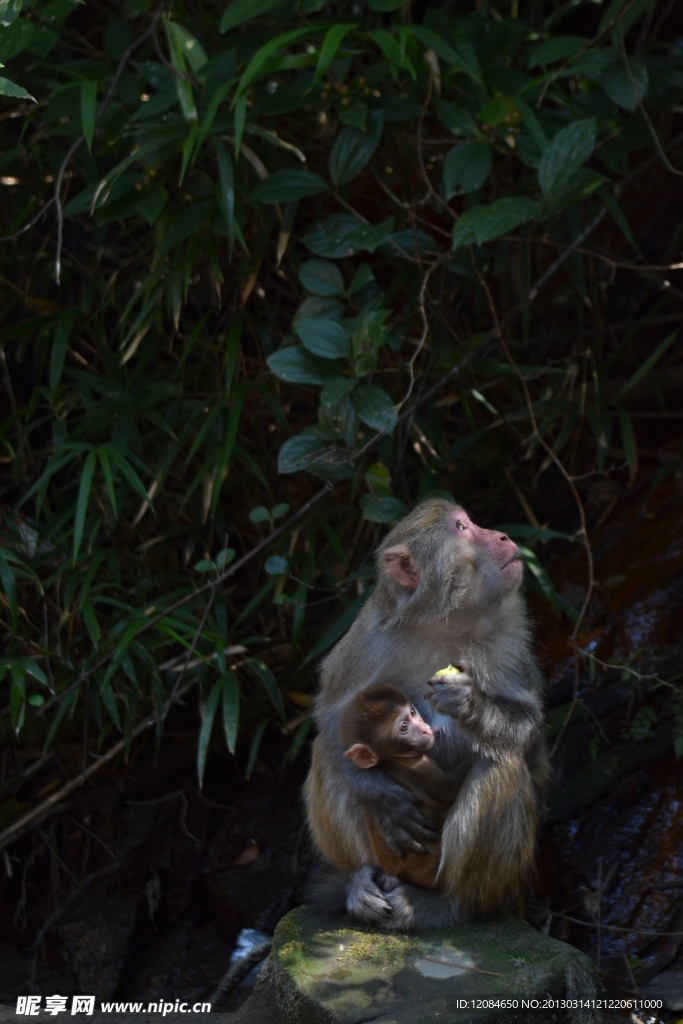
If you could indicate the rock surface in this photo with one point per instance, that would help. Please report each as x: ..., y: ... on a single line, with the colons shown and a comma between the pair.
x: 324, y: 971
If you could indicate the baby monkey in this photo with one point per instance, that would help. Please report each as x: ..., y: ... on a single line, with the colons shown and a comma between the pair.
x: 380, y: 728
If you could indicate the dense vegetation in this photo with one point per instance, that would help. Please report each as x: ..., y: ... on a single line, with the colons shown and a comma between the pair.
x: 310, y: 257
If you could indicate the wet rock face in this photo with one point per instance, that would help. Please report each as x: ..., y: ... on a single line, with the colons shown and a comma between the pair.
x: 328, y: 971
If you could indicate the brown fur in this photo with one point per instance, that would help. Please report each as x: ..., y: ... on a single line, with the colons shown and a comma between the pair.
x: 463, y: 610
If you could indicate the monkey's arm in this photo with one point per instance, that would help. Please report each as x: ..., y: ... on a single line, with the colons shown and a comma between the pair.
x: 496, y: 723
x: 393, y: 809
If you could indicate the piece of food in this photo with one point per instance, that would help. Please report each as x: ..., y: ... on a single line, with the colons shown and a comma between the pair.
x: 450, y: 670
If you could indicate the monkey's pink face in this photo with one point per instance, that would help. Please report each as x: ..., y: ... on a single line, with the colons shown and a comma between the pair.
x: 499, y: 552
x: 411, y: 729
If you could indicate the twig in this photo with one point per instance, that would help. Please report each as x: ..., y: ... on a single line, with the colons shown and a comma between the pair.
x: 34, y: 220
x: 570, y: 483
x: 612, y: 927
x: 462, y: 967
x: 32, y: 817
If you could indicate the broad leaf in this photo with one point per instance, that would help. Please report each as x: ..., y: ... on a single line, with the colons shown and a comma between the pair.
x: 320, y: 277
x: 559, y: 48
x: 466, y: 167
x: 483, y: 223
x: 297, y: 366
x: 17, y: 92
x: 570, y: 148
x: 352, y: 151
x: 276, y: 565
x: 626, y: 85
x: 324, y: 338
x: 374, y: 407
x: 382, y: 508
x: 299, y: 453
x: 342, y: 234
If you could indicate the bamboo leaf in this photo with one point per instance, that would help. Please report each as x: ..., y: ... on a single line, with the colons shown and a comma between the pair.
x: 645, y: 367
x: 255, y: 746
x: 88, y: 110
x: 207, y: 725
x: 231, y: 709
x: 82, y: 502
x: 270, y: 683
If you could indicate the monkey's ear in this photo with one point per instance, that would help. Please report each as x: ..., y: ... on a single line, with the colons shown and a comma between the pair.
x: 400, y: 564
x: 362, y: 755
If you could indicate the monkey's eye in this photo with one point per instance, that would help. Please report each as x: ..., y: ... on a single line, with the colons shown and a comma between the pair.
x: 459, y: 525
x: 413, y: 711
x: 404, y: 727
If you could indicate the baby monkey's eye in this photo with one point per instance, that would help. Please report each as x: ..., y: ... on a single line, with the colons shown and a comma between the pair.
x: 413, y: 711
x: 404, y: 727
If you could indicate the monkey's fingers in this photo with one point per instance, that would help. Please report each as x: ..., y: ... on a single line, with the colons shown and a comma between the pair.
x: 365, y: 900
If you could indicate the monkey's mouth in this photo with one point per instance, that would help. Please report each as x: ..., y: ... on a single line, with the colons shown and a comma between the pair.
x: 515, y: 558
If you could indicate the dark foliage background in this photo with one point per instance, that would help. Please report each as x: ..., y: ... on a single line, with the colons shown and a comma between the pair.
x: 271, y: 274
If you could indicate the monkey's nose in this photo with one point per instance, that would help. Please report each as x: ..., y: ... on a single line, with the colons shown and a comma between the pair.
x: 503, y: 537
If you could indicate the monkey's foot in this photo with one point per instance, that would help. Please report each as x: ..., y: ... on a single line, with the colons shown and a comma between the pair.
x: 414, y: 909
x: 365, y: 900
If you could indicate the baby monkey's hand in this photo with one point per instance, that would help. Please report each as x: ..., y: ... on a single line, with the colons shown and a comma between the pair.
x: 451, y: 691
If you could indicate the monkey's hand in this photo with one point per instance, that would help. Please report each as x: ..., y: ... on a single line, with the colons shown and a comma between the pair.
x: 397, y: 819
x: 453, y: 694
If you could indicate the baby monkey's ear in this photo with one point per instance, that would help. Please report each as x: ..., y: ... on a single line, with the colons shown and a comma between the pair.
x: 362, y: 755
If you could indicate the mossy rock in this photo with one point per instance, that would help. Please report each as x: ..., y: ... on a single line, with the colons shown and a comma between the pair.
x: 329, y: 971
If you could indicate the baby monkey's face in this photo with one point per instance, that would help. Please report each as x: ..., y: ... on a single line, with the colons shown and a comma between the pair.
x: 411, y: 731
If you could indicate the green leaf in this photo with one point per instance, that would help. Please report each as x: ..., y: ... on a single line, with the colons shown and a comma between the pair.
x: 299, y: 453
x: 109, y: 701
x: 382, y: 508
x: 131, y: 476
x: 384, y: 6
x: 88, y: 110
x: 267, y: 51
x: 9, y: 585
x: 207, y: 725
x: 260, y: 514
x: 66, y: 707
x: 91, y: 623
x: 288, y: 185
x: 108, y: 476
x: 466, y: 63
x: 231, y: 709
x: 570, y: 148
x: 628, y: 436
x: 466, y: 167
x: 276, y: 565
x: 183, y: 85
x: 559, y: 48
x: 270, y: 683
x: 279, y: 510
x: 194, y: 52
x: 186, y: 223
x: 82, y: 503
x: 534, y: 564
x: 17, y: 92
x: 626, y: 85
x: 483, y: 223
x: 332, y: 236
x: 240, y: 11
x: 240, y: 121
x: 67, y: 318
x: 645, y: 367
x: 328, y: 51
x: 324, y: 338
x: 351, y: 152
x: 15, y: 38
x: 297, y: 366
x: 374, y: 407
x: 255, y: 746
x: 392, y: 49
x: 337, y: 389
x: 320, y: 277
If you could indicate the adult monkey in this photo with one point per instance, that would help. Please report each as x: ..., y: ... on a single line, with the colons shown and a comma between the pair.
x: 448, y: 592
